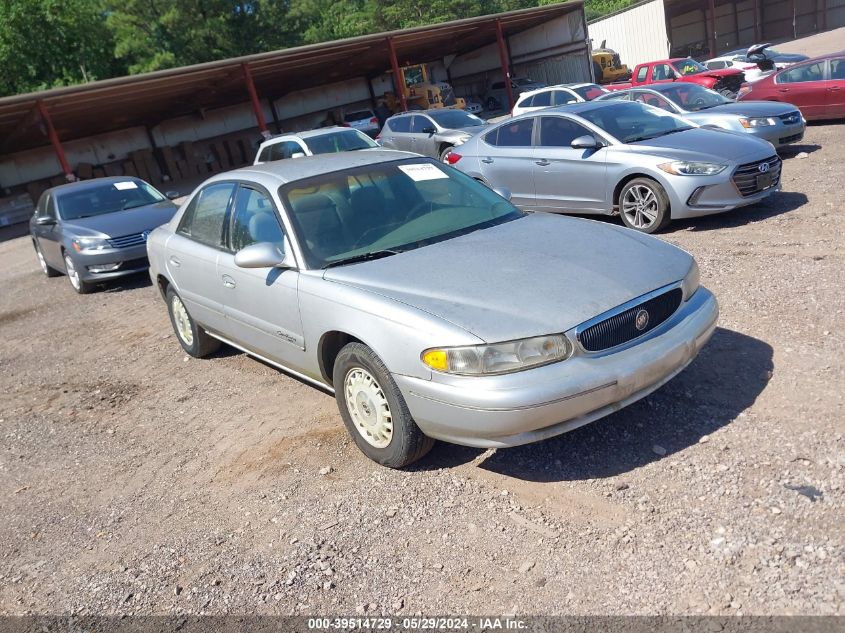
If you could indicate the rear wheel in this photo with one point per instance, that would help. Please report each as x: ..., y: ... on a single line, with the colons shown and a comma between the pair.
x: 492, y: 104
x: 45, y: 267
x: 644, y: 205
x: 76, y: 282
x: 374, y: 411
x: 192, y: 338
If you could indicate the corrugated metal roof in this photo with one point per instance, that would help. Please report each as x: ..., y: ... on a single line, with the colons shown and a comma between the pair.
x: 147, y: 99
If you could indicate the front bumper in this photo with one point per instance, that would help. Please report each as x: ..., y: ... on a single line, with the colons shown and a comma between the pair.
x: 780, y: 135
x: 693, y: 197
x: 528, y: 406
x: 132, y: 260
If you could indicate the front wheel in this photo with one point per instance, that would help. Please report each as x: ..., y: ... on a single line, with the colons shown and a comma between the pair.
x: 81, y: 287
x: 192, y: 337
x: 444, y: 154
x: 374, y: 411
x: 492, y: 104
x: 644, y: 205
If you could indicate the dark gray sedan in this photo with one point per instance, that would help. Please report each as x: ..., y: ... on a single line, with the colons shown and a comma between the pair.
x: 432, y: 133
x: 96, y: 230
x: 778, y: 123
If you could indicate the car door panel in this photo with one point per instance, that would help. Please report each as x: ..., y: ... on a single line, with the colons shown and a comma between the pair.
x: 804, y: 86
x: 511, y: 165
x: 566, y: 178
x: 193, y: 269
x: 835, y: 103
x: 261, y: 304
x: 49, y: 236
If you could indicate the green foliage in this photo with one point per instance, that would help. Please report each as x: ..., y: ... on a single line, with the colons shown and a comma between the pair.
x: 46, y: 43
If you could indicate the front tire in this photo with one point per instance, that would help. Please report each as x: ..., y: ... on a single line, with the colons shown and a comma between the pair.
x: 644, y: 205
x: 76, y: 282
x: 492, y: 104
x: 45, y: 267
x: 191, y: 337
x: 444, y: 154
x: 374, y: 411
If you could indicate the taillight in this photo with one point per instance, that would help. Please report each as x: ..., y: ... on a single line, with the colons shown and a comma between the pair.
x: 453, y: 157
x: 374, y: 120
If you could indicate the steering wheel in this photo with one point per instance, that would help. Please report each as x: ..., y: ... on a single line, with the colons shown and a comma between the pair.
x: 699, y: 101
x: 418, y: 210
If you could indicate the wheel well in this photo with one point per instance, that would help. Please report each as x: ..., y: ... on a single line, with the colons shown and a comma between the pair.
x: 443, y: 146
x: 163, y: 285
x: 330, y: 345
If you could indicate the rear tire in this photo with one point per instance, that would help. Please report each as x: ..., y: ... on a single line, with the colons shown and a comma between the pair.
x: 374, y: 411
x: 492, y: 104
x: 45, y: 267
x: 76, y: 282
x: 644, y: 205
x: 191, y: 336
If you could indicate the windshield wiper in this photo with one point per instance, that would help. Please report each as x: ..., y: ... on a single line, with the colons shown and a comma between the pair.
x: 363, y: 257
x: 646, y: 138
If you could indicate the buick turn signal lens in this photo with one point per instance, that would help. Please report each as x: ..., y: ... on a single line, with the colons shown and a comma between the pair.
x: 436, y: 359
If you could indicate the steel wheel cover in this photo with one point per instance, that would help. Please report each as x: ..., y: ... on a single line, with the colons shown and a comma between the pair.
x: 640, y: 206
x: 71, y: 272
x: 367, y: 405
x: 182, y: 321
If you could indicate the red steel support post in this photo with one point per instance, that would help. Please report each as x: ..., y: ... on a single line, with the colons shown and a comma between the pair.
x: 712, y: 22
x: 397, y: 75
x: 758, y: 22
x: 256, y: 104
x: 54, y: 139
x: 503, y: 58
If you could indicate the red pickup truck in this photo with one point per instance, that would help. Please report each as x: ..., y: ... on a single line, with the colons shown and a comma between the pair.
x: 726, y: 80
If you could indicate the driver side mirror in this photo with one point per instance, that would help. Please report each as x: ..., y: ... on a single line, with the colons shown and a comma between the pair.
x: 44, y: 220
x: 588, y: 141
x: 265, y: 255
x: 504, y: 192
x: 428, y: 130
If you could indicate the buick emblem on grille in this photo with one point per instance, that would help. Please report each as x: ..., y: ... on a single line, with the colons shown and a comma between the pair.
x: 641, y: 321
x: 763, y: 167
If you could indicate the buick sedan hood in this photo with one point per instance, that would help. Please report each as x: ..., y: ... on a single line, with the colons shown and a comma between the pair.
x: 540, y: 274
x: 122, y: 223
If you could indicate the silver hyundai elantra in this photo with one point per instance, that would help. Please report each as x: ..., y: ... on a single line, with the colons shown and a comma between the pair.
x: 430, y: 305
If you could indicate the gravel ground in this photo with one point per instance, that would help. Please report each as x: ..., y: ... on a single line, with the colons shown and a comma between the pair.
x: 135, y: 480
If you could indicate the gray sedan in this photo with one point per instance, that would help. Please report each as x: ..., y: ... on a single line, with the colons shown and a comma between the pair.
x: 613, y: 157
x: 778, y: 123
x: 427, y: 303
x: 430, y: 132
x: 95, y: 230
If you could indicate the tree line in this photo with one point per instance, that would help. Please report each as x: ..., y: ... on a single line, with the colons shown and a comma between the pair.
x: 50, y: 43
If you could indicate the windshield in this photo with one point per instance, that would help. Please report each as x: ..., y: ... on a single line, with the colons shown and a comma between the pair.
x: 523, y: 81
x: 692, y: 97
x: 108, y: 197
x: 630, y: 122
x: 590, y: 91
x: 454, y: 119
x: 689, y: 67
x: 387, y: 208
x: 358, y: 116
x: 341, y: 141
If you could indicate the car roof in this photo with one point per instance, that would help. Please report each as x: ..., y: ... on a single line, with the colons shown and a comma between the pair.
x: 279, y: 172
x: 92, y: 183
x: 304, y: 134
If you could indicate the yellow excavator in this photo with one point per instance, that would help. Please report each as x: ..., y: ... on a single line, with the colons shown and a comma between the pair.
x: 423, y: 94
x: 607, y: 65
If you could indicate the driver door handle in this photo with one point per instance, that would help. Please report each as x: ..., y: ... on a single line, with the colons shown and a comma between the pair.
x: 228, y: 282
x: 542, y: 162
x: 487, y: 160
x: 175, y: 260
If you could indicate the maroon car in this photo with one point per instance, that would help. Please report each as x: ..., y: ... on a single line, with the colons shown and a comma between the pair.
x: 816, y: 86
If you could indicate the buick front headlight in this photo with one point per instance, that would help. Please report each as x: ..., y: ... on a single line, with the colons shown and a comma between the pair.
x: 691, y: 282
x: 498, y: 358
x: 691, y: 168
x: 757, y: 122
x: 90, y: 244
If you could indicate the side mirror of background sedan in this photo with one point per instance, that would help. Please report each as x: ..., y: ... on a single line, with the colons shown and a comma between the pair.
x: 504, y: 192
x: 171, y: 195
x: 44, y: 220
x: 428, y: 130
x: 265, y: 255
x: 588, y: 141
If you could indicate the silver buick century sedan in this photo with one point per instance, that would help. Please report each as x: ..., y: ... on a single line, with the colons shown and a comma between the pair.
x: 610, y: 157
x: 430, y: 305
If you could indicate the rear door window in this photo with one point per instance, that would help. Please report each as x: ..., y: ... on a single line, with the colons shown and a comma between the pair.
x: 562, y: 97
x: 802, y: 74
x: 556, y: 131
x: 205, y: 217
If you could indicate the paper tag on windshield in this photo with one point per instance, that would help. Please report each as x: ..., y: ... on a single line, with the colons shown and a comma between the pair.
x: 424, y: 171
x: 125, y: 185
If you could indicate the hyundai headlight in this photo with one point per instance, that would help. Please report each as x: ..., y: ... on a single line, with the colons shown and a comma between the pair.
x: 499, y: 358
x: 691, y: 168
x: 691, y: 282
x: 757, y: 122
x: 90, y: 244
